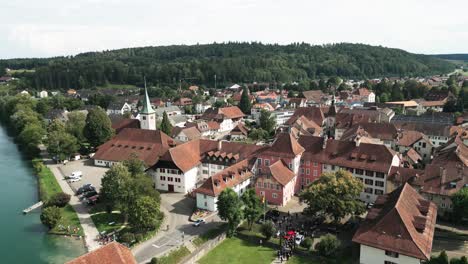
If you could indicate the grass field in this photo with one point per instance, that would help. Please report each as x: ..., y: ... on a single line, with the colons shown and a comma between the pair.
x: 102, y: 220
x: 175, y: 256
x: 48, y: 186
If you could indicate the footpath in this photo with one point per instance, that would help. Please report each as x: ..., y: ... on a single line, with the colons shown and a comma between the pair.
x: 89, y: 229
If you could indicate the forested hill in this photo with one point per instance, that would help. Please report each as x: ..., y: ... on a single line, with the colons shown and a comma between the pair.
x: 230, y: 62
x: 459, y: 57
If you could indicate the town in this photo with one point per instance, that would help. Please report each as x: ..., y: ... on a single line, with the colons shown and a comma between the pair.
x: 335, y: 171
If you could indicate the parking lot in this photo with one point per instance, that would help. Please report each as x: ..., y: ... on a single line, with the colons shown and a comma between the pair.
x: 91, y: 173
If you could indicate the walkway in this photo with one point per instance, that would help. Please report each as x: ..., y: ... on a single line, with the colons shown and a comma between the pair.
x: 89, y: 229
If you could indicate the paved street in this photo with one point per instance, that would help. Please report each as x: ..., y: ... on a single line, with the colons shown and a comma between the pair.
x: 178, y: 209
x: 453, y: 245
x: 87, y: 224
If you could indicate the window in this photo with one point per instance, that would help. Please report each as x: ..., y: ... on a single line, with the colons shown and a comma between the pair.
x: 307, y: 171
x: 308, y: 163
x: 315, y: 164
x: 443, y: 205
x: 379, y: 183
x: 274, y: 195
x: 389, y: 262
x: 205, y: 171
x: 220, y: 167
x: 315, y: 173
x: 163, y: 178
x: 206, y: 204
x: 369, y: 173
x: 333, y: 167
x: 302, y: 170
x: 368, y: 182
x: 359, y: 171
x: 170, y: 179
x: 177, y: 179
x: 378, y: 192
x: 267, y: 162
x: 359, y: 178
x: 307, y: 181
x: 259, y: 184
x: 259, y: 171
x: 144, y: 117
x: 424, y: 144
x: 277, y: 187
x: 204, y: 196
x: 380, y: 175
x: 290, y: 165
x: 391, y: 254
x: 302, y: 161
x: 368, y: 190
x: 259, y: 161
x: 265, y: 185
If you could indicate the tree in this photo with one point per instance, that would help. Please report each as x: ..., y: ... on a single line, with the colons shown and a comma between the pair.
x: 61, y: 145
x: 76, y: 124
x: 328, y: 245
x: 252, y: 206
x: 460, y: 204
x: 31, y: 136
x: 116, y: 188
x: 258, y: 134
x: 229, y: 209
x: 308, y: 243
x: 134, y: 165
x: 51, y: 216
x: 268, y: 230
x: 383, y: 98
x: 59, y: 199
x: 56, y: 126
x: 245, y: 105
x: 450, y: 106
x: 334, y: 194
x: 98, y: 128
x: 166, y: 126
x: 267, y: 122
x: 143, y: 213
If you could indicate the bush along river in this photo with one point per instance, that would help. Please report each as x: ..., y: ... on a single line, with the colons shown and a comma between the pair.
x: 23, y: 239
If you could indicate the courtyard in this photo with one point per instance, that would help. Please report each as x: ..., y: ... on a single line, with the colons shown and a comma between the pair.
x: 91, y: 174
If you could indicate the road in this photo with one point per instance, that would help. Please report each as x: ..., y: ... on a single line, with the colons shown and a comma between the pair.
x: 454, y: 246
x: 177, y: 209
x: 89, y: 229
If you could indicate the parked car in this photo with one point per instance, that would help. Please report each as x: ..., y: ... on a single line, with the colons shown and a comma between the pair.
x: 88, y: 194
x: 76, y: 174
x: 299, y: 239
x: 198, y: 222
x: 85, y: 188
x: 92, y: 200
x: 74, y: 179
x: 369, y: 205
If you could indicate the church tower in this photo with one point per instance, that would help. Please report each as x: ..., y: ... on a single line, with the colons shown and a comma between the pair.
x: 147, y: 114
x: 330, y: 121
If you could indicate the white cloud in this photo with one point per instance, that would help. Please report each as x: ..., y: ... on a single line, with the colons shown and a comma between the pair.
x: 57, y: 27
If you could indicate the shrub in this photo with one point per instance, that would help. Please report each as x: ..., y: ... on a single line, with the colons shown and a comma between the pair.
x: 127, y: 237
x: 268, y: 230
x: 139, y: 237
x: 327, y: 245
x: 59, y: 199
x: 51, y: 216
x: 154, y: 261
x: 307, y: 243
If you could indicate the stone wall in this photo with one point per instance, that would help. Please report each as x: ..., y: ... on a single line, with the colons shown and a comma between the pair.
x: 203, y: 249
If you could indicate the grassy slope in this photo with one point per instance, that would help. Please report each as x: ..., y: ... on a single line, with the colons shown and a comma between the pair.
x: 48, y: 186
x: 102, y: 220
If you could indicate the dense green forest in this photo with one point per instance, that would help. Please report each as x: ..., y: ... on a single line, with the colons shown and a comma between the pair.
x: 459, y: 57
x: 230, y: 62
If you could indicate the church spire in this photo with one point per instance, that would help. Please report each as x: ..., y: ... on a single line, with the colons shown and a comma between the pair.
x: 147, y: 108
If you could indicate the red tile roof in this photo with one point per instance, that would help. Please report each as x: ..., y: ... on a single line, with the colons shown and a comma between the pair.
x: 232, y: 112
x: 401, y: 221
x: 119, y: 125
x: 281, y: 173
x: 285, y: 145
x: 383, y: 131
x: 148, y: 145
x: 227, y: 178
x: 190, y: 132
x: 408, y: 137
x: 314, y: 114
x: 112, y: 253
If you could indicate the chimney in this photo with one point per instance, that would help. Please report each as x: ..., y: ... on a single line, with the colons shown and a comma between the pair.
x: 220, y: 144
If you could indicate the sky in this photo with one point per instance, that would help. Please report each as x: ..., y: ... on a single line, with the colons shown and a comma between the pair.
x: 32, y: 28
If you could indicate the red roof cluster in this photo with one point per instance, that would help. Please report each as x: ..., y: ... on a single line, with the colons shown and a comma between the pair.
x: 112, y: 253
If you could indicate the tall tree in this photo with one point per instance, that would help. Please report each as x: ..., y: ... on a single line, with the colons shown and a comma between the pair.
x: 134, y: 165
x: 460, y: 204
x: 143, y: 213
x: 229, y: 209
x: 166, y: 126
x: 98, y: 128
x: 116, y: 188
x: 267, y: 122
x: 252, y: 206
x: 245, y: 105
x: 334, y: 194
x: 61, y: 145
x: 76, y: 124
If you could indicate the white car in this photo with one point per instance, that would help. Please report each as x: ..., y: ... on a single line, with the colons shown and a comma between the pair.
x: 198, y: 222
x: 76, y: 174
x: 75, y: 179
x: 299, y: 239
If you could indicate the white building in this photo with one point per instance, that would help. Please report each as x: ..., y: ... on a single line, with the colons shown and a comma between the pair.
x: 43, y: 94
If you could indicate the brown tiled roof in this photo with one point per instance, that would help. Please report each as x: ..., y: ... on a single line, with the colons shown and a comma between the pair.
x: 280, y: 172
x: 313, y: 147
x: 240, y: 129
x: 191, y: 132
x: 313, y: 95
x: 401, y: 175
x: 231, y: 112
x: 365, y: 156
x: 148, y: 145
x: 112, y: 253
x: 188, y: 155
x: 285, y: 145
x: 125, y: 123
x: 227, y: 178
x: 347, y: 120
x: 383, y: 131
x: 426, y: 128
x: 444, y: 180
x: 413, y: 155
x: 362, y: 92
x: 408, y: 137
x: 401, y: 221
x: 313, y: 113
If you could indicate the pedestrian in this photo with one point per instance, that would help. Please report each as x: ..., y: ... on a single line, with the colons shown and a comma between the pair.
x: 281, y: 259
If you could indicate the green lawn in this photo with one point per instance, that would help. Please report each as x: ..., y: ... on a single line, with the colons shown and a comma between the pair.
x: 210, y: 234
x: 102, y: 220
x: 175, y: 256
x: 48, y: 186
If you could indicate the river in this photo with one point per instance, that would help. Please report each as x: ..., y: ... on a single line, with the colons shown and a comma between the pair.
x: 23, y: 239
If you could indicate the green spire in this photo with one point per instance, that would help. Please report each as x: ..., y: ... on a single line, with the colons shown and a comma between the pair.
x: 147, y: 108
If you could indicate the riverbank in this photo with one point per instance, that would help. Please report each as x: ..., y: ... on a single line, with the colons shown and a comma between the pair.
x: 24, y: 238
x: 48, y: 186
